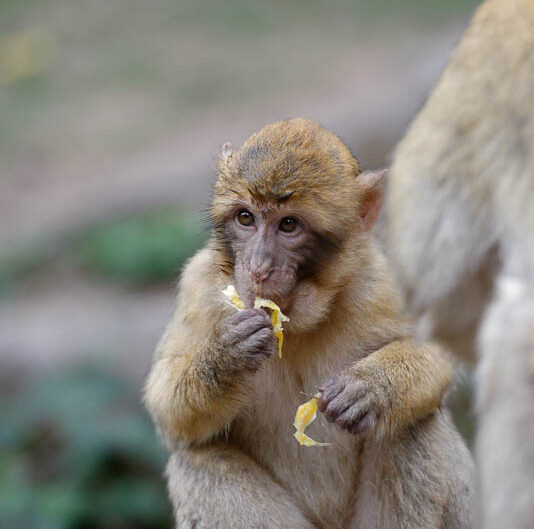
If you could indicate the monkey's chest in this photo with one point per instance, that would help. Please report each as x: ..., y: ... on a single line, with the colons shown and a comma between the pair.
x: 321, y: 479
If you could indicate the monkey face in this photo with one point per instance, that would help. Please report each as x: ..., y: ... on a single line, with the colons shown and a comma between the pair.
x: 274, y: 248
x: 286, y: 207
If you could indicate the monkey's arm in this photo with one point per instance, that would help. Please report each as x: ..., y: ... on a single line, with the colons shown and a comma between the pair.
x: 197, y: 380
x: 391, y: 388
x: 412, y: 380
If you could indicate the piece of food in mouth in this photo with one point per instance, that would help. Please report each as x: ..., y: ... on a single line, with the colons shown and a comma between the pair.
x: 277, y: 317
x: 305, y: 415
x: 231, y: 293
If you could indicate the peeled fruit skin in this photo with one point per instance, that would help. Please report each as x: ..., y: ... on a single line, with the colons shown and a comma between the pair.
x: 305, y: 415
x: 231, y: 293
x: 277, y: 317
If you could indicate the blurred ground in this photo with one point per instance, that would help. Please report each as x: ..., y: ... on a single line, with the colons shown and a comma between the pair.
x: 111, y: 112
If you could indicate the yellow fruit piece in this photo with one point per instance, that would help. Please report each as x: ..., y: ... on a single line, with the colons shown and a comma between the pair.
x: 231, y: 293
x: 305, y: 415
x: 277, y: 317
x: 304, y: 440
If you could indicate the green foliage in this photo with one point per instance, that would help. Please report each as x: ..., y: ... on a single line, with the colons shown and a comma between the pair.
x: 142, y: 249
x: 135, y: 251
x: 77, y: 450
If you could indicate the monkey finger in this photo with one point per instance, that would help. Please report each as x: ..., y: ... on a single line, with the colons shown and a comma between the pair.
x: 265, y: 336
x: 351, y: 394
x: 356, y: 389
x: 254, y: 361
x: 243, y: 315
x: 332, y: 380
x: 332, y: 385
x: 328, y: 394
x: 250, y: 326
x: 366, y: 424
x: 238, y: 317
x: 354, y: 414
x: 336, y: 407
x: 260, y: 342
x: 351, y: 390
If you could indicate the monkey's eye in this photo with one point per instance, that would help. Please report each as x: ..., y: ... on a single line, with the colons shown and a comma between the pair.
x: 245, y: 217
x: 288, y: 224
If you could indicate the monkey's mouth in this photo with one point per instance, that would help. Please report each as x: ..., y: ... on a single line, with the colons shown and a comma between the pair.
x: 273, y: 295
x: 271, y: 288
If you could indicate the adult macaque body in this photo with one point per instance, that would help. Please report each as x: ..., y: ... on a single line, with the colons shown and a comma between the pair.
x: 291, y: 217
x: 459, y: 220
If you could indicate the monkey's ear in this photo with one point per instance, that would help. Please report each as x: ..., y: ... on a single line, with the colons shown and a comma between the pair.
x: 226, y: 152
x: 372, y: 185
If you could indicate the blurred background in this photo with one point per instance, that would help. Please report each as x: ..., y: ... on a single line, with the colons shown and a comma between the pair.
x: 110, y: 114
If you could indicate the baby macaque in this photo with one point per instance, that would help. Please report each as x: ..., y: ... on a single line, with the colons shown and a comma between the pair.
x: 291, y: 221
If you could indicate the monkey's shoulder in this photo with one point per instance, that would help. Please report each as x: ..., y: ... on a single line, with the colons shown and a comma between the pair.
x: 200, y: 286
x: 203, y: 271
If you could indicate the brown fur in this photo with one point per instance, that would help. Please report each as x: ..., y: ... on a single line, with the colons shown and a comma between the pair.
x: 460, y: 220
x: 234, y: 460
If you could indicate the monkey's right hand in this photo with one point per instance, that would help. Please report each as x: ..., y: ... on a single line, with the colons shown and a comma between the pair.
x: 247, y: 338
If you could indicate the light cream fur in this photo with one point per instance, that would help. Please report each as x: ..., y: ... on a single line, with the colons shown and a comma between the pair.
x: 459, y: 227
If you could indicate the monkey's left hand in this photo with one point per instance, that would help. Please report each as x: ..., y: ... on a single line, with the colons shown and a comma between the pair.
x: 352, y: 400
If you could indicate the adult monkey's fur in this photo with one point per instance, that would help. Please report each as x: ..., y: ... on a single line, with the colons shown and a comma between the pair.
x: 225, y: 405
x: 459, y: 221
